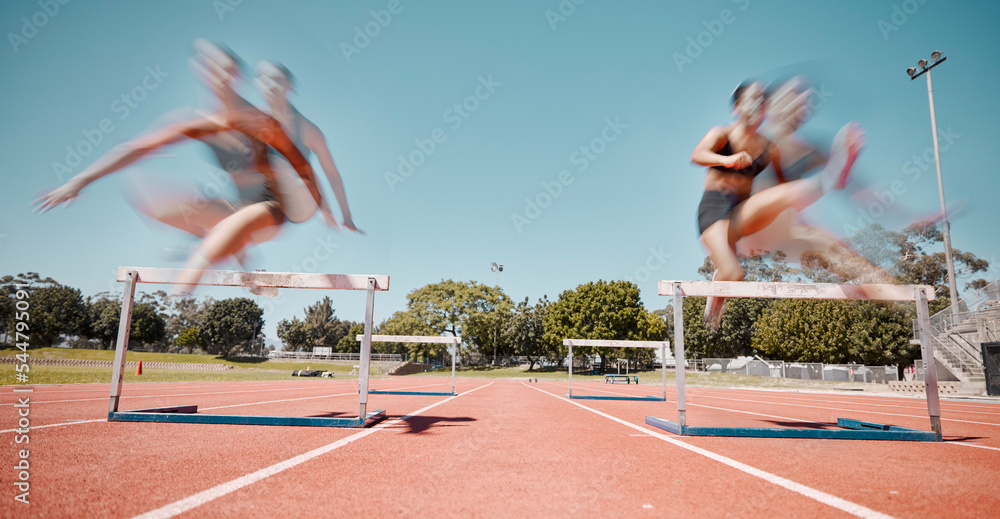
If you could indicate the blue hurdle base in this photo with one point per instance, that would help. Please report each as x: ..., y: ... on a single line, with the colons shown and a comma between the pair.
x: 643, y: 398
x: 188, y: 414
x: 432, y: 393
x: 852, y: 430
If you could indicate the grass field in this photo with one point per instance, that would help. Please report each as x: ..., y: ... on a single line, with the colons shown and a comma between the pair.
x: 90, y: 375
x: 257, y: 369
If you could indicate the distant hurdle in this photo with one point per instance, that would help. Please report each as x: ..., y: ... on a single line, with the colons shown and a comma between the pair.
x: 851, y: 429
x: 663, y: 345
x: 188, y: 414
x: 453, y: 341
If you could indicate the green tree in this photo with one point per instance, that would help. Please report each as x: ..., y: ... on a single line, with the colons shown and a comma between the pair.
x: 734, y: 336
x: 325, y: 328
x: 104, y: 314
x: 489, y: 331
x: 295, y: 335
x: 445, y: 306
x: 526, y: 331
x: 191, y: 339
x: 349, y: 343
x: 865, y: 332
x: 185, y: 313
x: 408, y: 323
x: 148, y: 326
x: 232, y: 325
x: 54, y: 309
x: 601, y: 310
x: 909, y: 257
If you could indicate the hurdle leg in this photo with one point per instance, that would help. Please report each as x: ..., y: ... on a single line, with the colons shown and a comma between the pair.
x: 930, y: 367
x: 679, y: 354
x: 366, y: 350
x: 663, y: 368
x: 454, y: 352
x: 124, y: 326
x: 571, y: 369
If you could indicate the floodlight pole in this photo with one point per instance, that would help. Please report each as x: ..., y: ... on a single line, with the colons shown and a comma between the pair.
x: 496, y: 325
x: 945, y: 225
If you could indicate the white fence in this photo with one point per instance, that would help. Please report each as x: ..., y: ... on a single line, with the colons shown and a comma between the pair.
x: 308, y: 355
x: 803, y: 370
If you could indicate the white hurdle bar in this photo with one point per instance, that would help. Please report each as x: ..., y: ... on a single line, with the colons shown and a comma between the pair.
x: 453, y: 341
x: 133, y: 275
x: 919, y: 294
x: 663, y: 345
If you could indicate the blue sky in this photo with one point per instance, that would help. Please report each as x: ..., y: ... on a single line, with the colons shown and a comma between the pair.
x: 638, y: 83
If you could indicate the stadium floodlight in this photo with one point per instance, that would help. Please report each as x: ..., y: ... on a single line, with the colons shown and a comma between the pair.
x: 945, y: 225
x: 911, y: 71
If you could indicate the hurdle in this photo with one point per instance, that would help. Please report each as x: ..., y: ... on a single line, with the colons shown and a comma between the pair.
x: 851, y: 429
x: 663, y: 345
x: 132, y: 276
x: 453, y: 349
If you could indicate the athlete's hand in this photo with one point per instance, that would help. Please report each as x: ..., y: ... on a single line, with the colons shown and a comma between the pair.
x: 64, y: 194
x: 740, y: 160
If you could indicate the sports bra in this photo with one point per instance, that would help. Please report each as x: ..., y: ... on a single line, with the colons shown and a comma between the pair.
x: 750, y: 171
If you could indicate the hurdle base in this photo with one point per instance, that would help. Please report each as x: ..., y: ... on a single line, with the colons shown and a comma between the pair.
x: 188, y: 414
x: 431, y: 393
x: 852, y: 430
x: 647, y: 398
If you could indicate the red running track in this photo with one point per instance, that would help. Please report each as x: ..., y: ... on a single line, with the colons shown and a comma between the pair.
x: 498, y: 449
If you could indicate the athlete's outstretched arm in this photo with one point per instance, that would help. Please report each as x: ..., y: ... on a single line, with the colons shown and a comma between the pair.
x: 127, y: 154
x: 315, y: 141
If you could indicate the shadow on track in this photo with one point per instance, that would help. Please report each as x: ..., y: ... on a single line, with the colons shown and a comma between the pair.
x: 419, y: 424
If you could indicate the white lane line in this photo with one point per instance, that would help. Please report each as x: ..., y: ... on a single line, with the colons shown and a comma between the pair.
x: 196, y: 500
x: 976, y: 445
x: 727, y: 410
x: 342, y: 382
x: 915, y: 404
x: 809, y: 492
x: 48, y: 389
x: 75, y: 422
x: 813, y: 406
x: 799, y: 420
x: 177, y: 394
x: 296, y: 399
